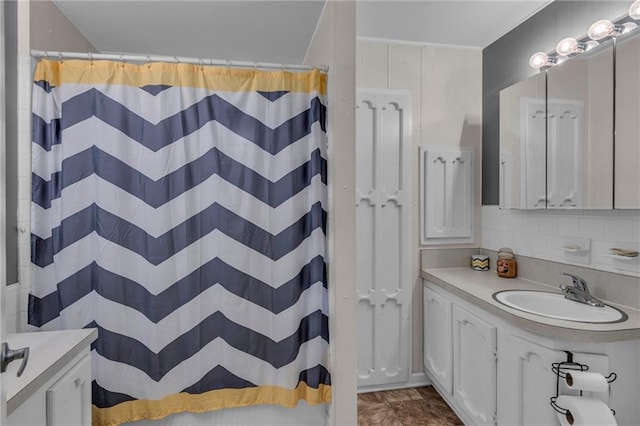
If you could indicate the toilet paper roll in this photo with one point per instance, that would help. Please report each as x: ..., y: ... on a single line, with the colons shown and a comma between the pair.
x: 583, y: 411
x: 587, y: 381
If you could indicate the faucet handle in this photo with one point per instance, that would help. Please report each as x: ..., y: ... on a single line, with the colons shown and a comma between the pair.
x: 577, y: 281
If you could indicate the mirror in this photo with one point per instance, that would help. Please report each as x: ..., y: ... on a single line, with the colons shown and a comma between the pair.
x: 522, y: 144
x: 627, y: 138
x: 580, y: 131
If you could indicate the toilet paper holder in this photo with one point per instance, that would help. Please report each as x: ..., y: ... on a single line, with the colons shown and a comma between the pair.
x: 560, y: 369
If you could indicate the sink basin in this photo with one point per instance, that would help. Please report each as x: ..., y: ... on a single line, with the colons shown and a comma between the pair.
x: 555, y: 305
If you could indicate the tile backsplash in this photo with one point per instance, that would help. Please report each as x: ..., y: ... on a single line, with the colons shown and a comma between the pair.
x: 11, y: 312
x: 577, y: 237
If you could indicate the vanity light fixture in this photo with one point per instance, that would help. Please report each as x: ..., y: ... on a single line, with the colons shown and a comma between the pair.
x: 597, y: 31
x: 634, y: 10
x: 605, y: 28
x: 541, y: 59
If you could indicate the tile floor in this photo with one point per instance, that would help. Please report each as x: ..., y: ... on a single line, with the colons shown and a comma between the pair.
x: 405, y: 407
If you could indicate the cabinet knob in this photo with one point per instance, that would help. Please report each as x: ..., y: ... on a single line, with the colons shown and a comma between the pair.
x: 7, y: 355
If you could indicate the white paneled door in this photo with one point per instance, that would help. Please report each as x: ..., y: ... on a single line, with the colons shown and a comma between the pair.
x: 383, y: 208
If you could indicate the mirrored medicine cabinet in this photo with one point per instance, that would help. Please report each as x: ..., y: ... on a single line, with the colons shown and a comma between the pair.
x: 567, y: 141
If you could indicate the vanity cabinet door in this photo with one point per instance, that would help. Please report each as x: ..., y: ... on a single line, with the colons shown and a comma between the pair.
x: 474, y: 366
x: 526, y: 382
x: 69, y: 399
x: 437, y: 339
x: 580, y: 131
x: 63, y: 400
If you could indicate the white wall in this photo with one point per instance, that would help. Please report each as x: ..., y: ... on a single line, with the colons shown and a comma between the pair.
x: 541, y: 234
x: 40, y: 26
x: 16, y: 311
x: 333, y: 44
x: 3, y: 322
x: 51, y: 30
x: 446, y: 89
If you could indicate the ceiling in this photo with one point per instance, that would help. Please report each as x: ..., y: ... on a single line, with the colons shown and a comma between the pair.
x: 262, y: 31
x: 280, y: 31
x: 462, y: 23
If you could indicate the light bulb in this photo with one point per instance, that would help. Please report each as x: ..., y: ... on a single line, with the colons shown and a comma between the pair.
x: 568, y: 46
x: 600, y: 29
x: 634, y: 10
x: 538, y: 60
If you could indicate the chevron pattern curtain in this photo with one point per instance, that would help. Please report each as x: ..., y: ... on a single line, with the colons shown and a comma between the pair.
x: 181, y: 210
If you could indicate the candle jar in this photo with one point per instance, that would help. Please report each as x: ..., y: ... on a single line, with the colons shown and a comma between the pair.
x: 506, y: 264
x: 479, y: 262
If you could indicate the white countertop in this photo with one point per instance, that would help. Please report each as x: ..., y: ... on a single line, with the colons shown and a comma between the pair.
x: 478, y: 287
x: 49, y: 351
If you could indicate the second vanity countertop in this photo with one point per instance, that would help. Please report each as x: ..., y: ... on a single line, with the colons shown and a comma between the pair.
x: 48, y: 352
x: 477, y: 287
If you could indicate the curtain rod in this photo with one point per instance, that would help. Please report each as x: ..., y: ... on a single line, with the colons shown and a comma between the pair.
x: 126, y: 57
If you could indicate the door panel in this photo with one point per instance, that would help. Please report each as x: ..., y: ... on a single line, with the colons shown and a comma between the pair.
x: 437, y: 339
x: 383, y: 208
x: 474, y: 364
x: 526, y: 382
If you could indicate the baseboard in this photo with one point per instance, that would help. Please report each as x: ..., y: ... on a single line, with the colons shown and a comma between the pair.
x: 415, y: 380
x: 418, y: 379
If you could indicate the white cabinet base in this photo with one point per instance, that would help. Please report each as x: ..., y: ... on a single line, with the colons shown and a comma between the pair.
x: 521, y: 384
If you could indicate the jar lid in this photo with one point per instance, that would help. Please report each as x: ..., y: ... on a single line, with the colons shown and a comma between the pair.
x: 503, y: 255
x: 505, y: 249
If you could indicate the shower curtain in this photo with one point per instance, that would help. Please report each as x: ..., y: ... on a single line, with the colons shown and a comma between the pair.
x: 181, y: 211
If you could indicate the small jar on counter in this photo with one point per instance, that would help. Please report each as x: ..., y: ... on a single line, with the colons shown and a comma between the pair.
x: 506, y: 264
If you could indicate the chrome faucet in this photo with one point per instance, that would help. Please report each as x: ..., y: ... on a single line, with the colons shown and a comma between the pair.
x: 579, y: 292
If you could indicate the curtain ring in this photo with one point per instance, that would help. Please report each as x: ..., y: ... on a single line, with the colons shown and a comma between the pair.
x: 122, y: 59
x: 201, y: 62
x: 90, y: 55
x: 175, y: 58
x: 60, y: 56
x: 228, y: 64
x: 46, y: 54
x: 149, y: 61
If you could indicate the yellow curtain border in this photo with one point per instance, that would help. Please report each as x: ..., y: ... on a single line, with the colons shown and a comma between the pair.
x: 225, y: 79
x: 145, y: 409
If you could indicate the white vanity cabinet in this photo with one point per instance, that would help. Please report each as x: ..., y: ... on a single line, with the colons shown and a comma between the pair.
x: 459, y: 357
x: 501, y: 373
x: 55, y: 388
